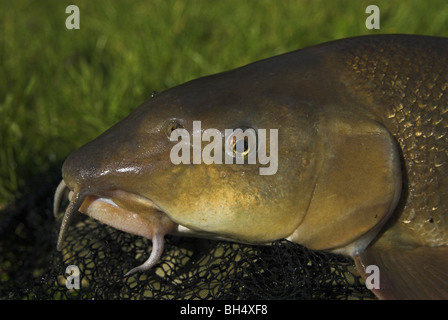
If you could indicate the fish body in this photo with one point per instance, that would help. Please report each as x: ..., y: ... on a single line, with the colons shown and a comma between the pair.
x: 361, y: 167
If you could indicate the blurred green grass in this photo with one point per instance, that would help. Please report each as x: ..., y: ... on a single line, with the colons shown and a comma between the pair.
x: 60, y: 88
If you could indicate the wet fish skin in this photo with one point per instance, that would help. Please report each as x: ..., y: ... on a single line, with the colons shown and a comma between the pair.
x: 362, y: 156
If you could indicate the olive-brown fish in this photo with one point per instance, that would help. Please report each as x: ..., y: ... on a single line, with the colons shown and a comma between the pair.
x: 359, y: 163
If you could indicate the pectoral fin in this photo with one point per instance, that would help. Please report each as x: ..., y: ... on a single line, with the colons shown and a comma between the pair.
x: 407, y: 273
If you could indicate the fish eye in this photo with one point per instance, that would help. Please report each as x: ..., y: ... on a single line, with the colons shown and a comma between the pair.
x: 171, y: 126
x: 241, y: 142
x: 240, y: 145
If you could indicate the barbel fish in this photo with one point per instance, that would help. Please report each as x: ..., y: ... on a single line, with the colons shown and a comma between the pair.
x: 362, y: 165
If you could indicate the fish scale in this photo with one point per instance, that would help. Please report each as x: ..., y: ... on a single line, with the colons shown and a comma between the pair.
x: 412, y: 94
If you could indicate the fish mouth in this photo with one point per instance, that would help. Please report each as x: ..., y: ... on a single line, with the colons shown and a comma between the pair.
x: 121, y: 210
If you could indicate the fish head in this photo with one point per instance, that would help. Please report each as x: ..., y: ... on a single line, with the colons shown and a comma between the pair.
x: 314, y: 178
x: 128, y: 174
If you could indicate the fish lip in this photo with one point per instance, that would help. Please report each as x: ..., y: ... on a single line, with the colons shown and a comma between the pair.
x: 110, y: 193
x: 137, y: 215
x: 114, y: 193
x: 81, y: 198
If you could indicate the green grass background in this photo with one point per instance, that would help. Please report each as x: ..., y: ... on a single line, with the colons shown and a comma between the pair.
x: 60, y: 88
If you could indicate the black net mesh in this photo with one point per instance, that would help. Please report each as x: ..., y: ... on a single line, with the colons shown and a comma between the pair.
x: 31, y: 268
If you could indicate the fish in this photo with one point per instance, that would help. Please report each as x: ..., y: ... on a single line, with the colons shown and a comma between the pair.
x: 361, y: 168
